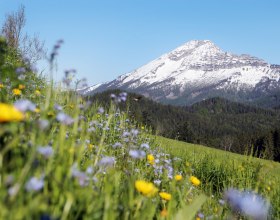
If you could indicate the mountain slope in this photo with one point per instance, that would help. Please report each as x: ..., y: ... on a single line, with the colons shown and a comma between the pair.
x: 198, y: 70
x: 214, y: 122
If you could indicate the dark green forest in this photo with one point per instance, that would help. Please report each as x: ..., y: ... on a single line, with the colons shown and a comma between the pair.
x: 215, y: 122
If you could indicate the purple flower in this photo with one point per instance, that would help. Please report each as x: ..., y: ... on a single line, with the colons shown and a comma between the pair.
x: 137, y: 154
x: 34, y: 184
x: 43, y: 124
x: 58, y: 107
x: 20, y: 70
x: 101, y: 110
x: 64, y: 118
x: 117, y: 145
x: 145, y: 145
x: 107, y: 161
x: 24, y: 105
x: 46, y: 151
x: 247, y: 203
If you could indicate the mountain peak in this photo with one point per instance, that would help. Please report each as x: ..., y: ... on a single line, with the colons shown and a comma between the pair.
x: 197, y: 70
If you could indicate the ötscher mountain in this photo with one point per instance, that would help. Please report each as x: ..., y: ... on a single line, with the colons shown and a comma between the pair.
x: 199, y: 70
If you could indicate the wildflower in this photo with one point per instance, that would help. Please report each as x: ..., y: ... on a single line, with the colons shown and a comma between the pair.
x: 200, y: 215
x: 107, y: 161
x: 17, y: 92
x: 20, y: 70
x: 145, y: 145
x: 46, y: 151
x: 195, y: 181
x: 37, y: 110
x: 157, y: 182
x: 58, y: 107
x: 164, y: 195
x: 178, y: 177
x: 25, y: 105
x: 43, y: 124
x: 64, y: 118
x: 151, y: 159
x: 247, y: 203
x: 10, y: 113
x: 117, y: 145
x: 20, y: 86
x: 164, y: 213
x: 137, y: 154
x: 146, y: 188
x: 37, y: 92
x: 1, y: 86
x: 101, y: 110
x: 34, y: 184
x: 79, y: 175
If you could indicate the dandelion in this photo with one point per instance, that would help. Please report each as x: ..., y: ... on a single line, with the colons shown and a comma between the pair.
x: 37, y: 92
x: 146, y: 188
x: 34, y: 184
x: 178, y: 177
x: 195, y: 181
x: 37, y: 110
x: 20, y: 86
x: 164, y: 195
x: 247, y: 203
x: 10, y: 113
x: 151, y: 159
x: 16, y: 92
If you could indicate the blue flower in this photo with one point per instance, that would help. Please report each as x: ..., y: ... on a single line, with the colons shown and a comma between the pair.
x: 64, y: 118
x: 137, y: 154
x: 46, y: 151
x: 24, y: 105
x: 107, y: 161
x: 34, y: 184
x: 247, y: 203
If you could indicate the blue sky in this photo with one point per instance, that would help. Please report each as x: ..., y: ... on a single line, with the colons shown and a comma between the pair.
x: 106, y: 38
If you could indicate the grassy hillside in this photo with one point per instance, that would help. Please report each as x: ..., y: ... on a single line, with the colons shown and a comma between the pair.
x: 197, y: 152
x: 215, y: 122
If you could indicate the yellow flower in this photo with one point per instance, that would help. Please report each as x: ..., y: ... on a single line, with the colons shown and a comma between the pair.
x: 151, y: 159
x: 165, y: 196
x: 37, y: 92
x: 1, y: 86
x: 146, y: 188
x: 37, y: 110
x: 20, y: 86
x: 16, y: 91
x: 194, y: 181
x: 9, y: 113
x: 178, y: 177
x: 50, y: 113
x: 142, y: 127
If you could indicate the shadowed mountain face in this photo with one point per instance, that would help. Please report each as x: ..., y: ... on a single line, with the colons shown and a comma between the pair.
x: 199, y: 70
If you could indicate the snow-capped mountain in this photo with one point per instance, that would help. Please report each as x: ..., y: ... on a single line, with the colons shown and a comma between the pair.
x: 198, y: 70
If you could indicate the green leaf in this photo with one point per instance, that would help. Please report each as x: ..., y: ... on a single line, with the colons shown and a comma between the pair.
x: 189, y: 212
